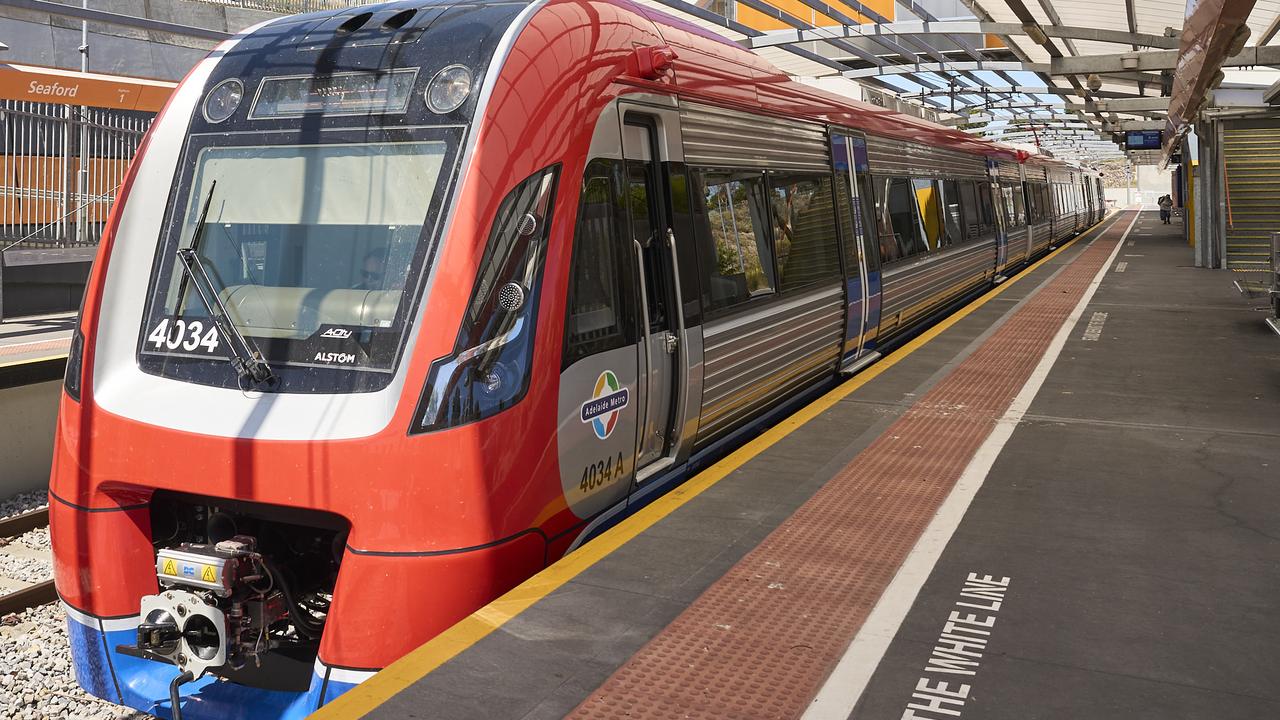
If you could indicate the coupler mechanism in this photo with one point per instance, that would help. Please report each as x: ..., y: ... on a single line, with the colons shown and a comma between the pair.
x: 215, y: 609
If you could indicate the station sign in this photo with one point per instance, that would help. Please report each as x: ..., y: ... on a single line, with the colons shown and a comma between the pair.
x: 1143, y: 139
x: 67, y: 87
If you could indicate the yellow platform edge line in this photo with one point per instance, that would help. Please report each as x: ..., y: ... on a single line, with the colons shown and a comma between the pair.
x: 420, y: 662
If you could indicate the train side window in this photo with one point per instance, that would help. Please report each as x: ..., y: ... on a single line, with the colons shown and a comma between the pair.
x: 897, y: 217
x: 929, y: 205
x: 884, y: 221
x: 1041, y: 193
x: 602, y: 296
x: 952, y: 220
x: 988, y: 212
x: 804, y: 230
x: 741, y: 264
x: 1014, y: 203
x: 848, y: 227
x: 865, y: 212
x: 969, y: 206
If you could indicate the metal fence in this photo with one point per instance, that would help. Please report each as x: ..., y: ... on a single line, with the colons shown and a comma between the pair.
x: 60, y: 166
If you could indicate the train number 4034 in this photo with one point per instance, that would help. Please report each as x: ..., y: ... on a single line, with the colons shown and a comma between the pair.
x: 186, y: 335
x: 599, y: 474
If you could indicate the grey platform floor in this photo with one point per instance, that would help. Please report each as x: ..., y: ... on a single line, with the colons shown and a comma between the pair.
x: 28, y: 338
x: 1135, y: 511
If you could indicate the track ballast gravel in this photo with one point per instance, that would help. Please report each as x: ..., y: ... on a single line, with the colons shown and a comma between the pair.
x: 36, y: 680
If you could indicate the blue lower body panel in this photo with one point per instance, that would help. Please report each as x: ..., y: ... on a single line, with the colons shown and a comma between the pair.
x: 144, y: 684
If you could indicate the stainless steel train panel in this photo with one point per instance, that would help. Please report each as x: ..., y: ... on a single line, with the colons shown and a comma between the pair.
x: 897, y: 157
x: 1041, y: 237
x: 753, y: 359
x: 717, y: 137
x: 1009, y: 171
x: 1066, y: 225
x: 1017, y: 249
x: 914, y: 289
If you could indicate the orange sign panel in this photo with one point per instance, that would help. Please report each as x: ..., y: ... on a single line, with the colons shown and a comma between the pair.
x: 68, y: 87
x: 757, y: 20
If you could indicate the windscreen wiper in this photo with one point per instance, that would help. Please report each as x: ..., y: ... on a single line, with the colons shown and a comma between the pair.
x: 245, y: 356
x: 196, y: 238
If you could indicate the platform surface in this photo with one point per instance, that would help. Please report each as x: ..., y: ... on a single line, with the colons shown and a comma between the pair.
x: 35, y: 338
x: 1061, y: 503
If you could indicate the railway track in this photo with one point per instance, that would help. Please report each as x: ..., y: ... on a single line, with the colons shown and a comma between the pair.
x: 19, y: 594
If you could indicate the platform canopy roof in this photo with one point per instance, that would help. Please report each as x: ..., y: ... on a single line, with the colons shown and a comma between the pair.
x: 1068, y: 76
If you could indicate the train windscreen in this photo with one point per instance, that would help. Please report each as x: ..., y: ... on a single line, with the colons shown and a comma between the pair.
x: 310, y: 249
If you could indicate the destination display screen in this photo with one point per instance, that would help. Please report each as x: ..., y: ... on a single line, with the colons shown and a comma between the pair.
x: 356, y: 93
x: 1143, y: 139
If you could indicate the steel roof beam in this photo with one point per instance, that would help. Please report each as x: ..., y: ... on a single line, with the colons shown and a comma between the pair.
x: 1121, y: 105
x: 1132, y: 17
x: 906, y: 69
x: 1026, y: 18
x: 726, y: 23
x: 1149, y: 60
x: 1124, y: 106
x: 1271, y: 31
x: 58, y: 9
x: 1023, y: 90
x: 1134, y: 125
x: 1055, y: 21
x: 956, y: 27
x: 888, y: 43
x: 877, y: 19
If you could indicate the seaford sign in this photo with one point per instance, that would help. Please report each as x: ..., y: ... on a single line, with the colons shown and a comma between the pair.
x: 608, y: 399
x: 56, y: 89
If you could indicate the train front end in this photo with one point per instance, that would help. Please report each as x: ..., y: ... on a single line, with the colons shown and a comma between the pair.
x: 248, y: 514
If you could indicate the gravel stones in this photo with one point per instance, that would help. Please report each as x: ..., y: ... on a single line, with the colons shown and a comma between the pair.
x: 36, y: 681
x: 36, y: 677
x: 24, y: 568
x: 23, y: 502
x: 37, y: 539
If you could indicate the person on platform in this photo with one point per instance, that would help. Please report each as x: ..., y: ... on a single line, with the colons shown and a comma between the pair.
x: 1166, y: 208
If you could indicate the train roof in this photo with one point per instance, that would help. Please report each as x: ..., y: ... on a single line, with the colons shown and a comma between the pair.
x: 778, y: 92
x: 699, y: 51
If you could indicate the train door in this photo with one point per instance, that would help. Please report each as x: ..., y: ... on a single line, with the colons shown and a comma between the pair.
x: 661, y: 322
x: 996, y: 199
x: 1022, y: 192
x: 862, y: 257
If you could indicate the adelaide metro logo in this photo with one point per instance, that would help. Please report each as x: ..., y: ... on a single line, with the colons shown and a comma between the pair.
x: 605, y: 405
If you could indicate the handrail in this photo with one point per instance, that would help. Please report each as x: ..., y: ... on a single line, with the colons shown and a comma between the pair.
x: 1226, y: 184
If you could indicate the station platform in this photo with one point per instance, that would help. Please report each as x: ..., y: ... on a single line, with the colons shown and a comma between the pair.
x: 27, y: 339
x: 33, y: 361
x: 1060, y: 502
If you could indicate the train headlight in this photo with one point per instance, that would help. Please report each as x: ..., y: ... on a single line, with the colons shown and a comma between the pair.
x: 492, y: 363
x: 448, y: 89
x: 223, y: 100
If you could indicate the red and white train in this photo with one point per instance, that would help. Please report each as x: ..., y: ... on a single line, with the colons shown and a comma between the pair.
x: 401, y: 303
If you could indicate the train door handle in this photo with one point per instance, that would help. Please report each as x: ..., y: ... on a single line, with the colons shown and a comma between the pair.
x: 672, y: 343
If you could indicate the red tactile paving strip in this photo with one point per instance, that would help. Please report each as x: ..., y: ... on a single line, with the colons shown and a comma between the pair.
x: 33, y: 347
x: 762, y: 639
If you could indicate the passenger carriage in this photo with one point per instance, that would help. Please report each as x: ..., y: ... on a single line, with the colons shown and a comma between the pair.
x: 401, y: 303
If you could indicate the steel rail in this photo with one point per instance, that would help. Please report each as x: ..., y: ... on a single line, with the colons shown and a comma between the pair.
x: 41, y: 593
